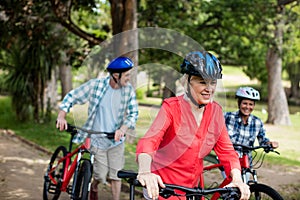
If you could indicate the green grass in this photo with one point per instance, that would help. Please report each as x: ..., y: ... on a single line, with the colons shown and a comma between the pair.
x: 45, y: 134
x: 233, y: 71
x: 150, y: 100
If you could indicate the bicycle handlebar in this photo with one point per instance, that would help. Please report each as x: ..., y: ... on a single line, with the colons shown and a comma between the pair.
x: 245, y: 148
x: 169, y: 190
x: 228, y: 192
x: 74, y: 130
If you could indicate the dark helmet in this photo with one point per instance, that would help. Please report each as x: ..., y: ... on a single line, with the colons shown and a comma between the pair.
x: 119, y: 65
x: 202, y: 63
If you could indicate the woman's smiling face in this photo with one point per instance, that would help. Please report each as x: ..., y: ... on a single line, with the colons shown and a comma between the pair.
x: 202, y: 90
x: 246, y: 106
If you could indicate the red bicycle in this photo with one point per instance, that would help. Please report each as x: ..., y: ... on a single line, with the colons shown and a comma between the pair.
x: 68, y: 171
x: 258, y: 190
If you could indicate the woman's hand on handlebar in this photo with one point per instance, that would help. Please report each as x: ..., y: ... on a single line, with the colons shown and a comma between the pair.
x: 274, y: 144
x: 61, y: 122
x: 243, y: 187
x: 238, y: 182
x: 152, y: 182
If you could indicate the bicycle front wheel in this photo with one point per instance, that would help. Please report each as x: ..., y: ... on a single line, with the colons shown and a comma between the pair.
x: 263, y: 192
x: 54, y: 174
x: 83, y: 181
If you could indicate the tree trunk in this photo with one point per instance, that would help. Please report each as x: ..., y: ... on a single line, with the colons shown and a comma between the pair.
x: 51, y: 94
x: 294, y: 74
x: 124, y: 22
x: 36, y: 104
x: 278, y: 112
x: 65, y: 74
x: 169, y: 89
x: 295, y: 89
x: 130, y: 23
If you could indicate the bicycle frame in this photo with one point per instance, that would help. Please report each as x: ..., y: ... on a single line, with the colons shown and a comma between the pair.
x: 244, y: 161
x: 71, y: 167
x: 245, y: 167
x: 226, y: 180
x: 69, y: 171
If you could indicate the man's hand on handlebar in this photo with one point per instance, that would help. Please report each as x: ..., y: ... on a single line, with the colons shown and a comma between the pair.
x: 119, y: 134
x: 61, y: 122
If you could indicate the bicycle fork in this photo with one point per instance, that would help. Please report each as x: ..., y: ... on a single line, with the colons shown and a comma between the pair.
x: 92, y: 156
x: 246, y: 173
x: 79, y: 155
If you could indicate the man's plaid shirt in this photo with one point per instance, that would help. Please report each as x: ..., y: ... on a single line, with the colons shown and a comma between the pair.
x: 245, y: 134
x: 92, y: 92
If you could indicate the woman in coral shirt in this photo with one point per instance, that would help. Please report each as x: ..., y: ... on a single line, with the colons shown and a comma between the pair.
x: 185, y: 130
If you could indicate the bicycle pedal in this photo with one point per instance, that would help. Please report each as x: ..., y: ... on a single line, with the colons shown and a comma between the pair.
x: 69, y: 189
x: 52, y: 188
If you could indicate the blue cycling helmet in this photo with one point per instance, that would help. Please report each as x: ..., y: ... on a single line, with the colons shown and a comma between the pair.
x: 203, y: 64
x: 119, y: 65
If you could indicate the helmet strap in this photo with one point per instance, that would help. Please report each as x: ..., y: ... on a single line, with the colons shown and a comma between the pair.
x: 117, y: 81
x: 120, y: 75
x: 188, y: 93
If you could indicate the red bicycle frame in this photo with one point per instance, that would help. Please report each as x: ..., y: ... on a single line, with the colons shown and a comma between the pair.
x: 69, y: 169
x: 244, y: 162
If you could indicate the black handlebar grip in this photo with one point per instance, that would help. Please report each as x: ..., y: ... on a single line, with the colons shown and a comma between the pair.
x: 71, y: 128
x: 127, y: 174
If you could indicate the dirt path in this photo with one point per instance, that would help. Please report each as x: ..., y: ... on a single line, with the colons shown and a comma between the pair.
x: 22, y: 168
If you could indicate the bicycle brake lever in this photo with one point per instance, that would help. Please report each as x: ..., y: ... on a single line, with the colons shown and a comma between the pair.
x: 232, y: 195
x: 276, y: 152
x: 268, y: 148
x: 166, y: 192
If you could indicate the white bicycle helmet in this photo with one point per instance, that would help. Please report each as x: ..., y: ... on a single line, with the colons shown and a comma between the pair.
x: 248, y: 93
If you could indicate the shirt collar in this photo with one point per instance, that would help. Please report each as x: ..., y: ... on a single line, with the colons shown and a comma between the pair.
x: 239, y: 118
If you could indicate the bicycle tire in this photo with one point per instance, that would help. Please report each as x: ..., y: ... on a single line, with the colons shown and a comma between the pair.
x: 263, y: 192
x: 52, y: 191
x: 83, y: 180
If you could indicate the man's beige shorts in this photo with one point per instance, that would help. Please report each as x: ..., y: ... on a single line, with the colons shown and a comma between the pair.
x: 108, y: 162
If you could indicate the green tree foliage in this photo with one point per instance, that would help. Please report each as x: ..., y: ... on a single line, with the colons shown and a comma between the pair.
x: 243, y: 33
x: 35, y: 33
x: 174, y: 15
x: 30, y: 44
x: 240, y: 32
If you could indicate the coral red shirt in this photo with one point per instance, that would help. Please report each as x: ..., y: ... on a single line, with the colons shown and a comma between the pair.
x: 178, y: 145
